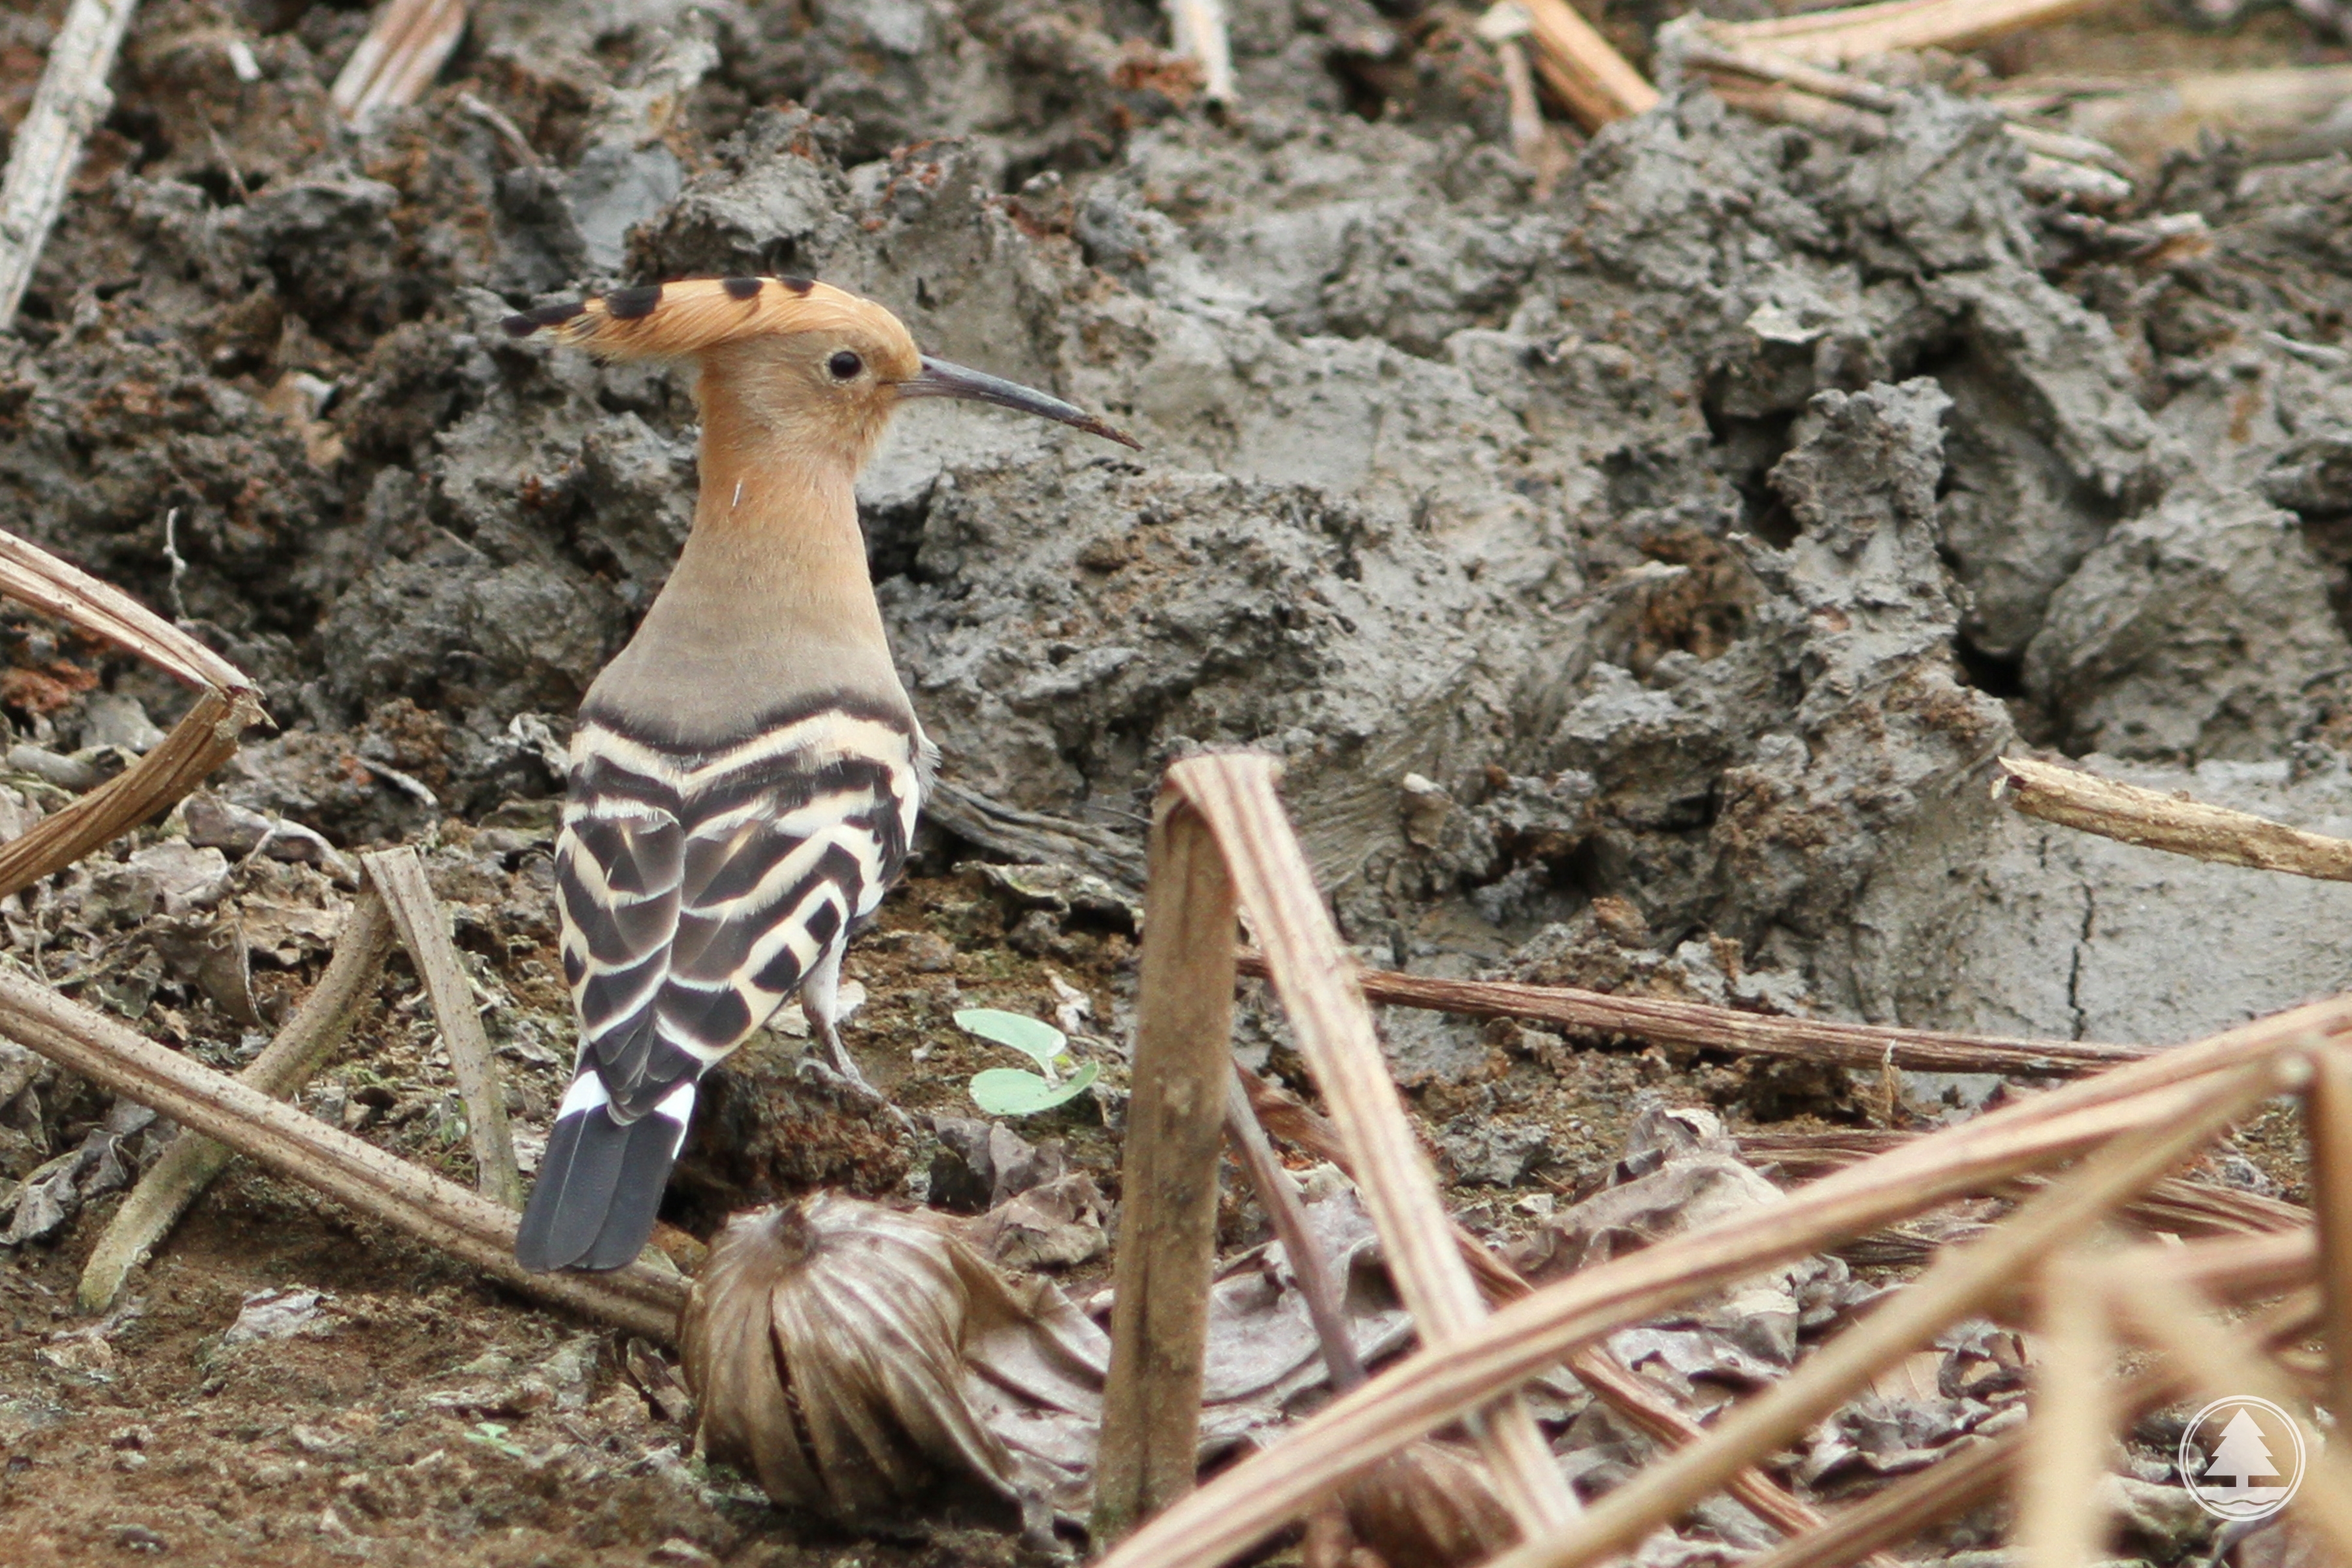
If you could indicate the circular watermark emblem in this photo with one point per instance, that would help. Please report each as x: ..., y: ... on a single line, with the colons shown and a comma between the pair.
x: 2241, y: 1458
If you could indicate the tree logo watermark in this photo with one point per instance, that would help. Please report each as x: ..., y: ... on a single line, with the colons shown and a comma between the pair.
x: 2241, y: 1458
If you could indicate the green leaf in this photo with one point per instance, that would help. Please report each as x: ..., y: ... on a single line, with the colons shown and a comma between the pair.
x: 1032, y: 1037
x: 1009, y: 1091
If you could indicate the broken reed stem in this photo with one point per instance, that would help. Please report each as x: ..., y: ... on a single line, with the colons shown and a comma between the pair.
x: 1956, y: 1284
x: 1635, y: 1398
x: 188, y: 1165
x: 2221, y: 1363
x: 206, y: 736
x: 1196, y: 29
x: 305, y: 1150
x: 1833, y: 36
x: 1439, y: 1383
x: 2059, y: 1521
x: 1168, y: 1228
x: 2327, y: 1128
x: 2177, y: 1204
x: 68, y: 106
x: 1694, y: 1024
x: 404, y: 48
x: 2173, y: 823
x: 1235, y: 793
x: 1279, y: 1198
x: 1593, y: 81
x: 424, y: 927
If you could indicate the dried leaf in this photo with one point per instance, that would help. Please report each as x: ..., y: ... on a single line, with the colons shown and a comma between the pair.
x: 829, y: 1343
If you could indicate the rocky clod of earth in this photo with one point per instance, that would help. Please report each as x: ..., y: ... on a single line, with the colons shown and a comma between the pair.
x: 1691, y: 536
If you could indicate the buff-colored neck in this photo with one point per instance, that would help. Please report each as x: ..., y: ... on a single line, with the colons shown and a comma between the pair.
x: 770, y: 599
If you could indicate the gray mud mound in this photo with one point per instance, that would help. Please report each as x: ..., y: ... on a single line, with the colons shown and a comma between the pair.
x: 1690, y: 537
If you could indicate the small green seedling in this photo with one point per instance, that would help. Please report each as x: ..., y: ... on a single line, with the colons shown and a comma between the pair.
x: 1009, y: 1091
x: 493, y: 1435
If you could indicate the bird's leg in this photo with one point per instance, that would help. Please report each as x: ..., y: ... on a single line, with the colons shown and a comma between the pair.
x: 818, y: 1001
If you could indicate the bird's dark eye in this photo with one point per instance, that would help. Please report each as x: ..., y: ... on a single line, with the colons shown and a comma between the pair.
x: 844, y: 366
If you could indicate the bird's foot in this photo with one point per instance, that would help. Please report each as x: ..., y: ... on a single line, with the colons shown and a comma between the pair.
x: 843, y: 1078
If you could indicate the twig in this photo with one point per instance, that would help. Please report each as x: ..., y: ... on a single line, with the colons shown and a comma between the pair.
x: 190, y: 1164
x: 68, y: 106
x: 1333, y: 1024
x: 1786, y: 105
x: 1308, y: 1266
x: 206, y: 736
x: 303, y: 1149
x: 424, y: 927
x: 1834, y: 85
x: 1830, y: 36
x: 1954, y: 1285
x: 2154, y: 820
x: 404, y: 50
x: 2059, y: 1523
x: 1441, y: 1382
x: 1505, y: 26
x: 2327, y: 1128
x: 1632, y: 1397
x: 1168, y: 1230
x: 2175, y: 1205
x: 1868, y: 1046
x: 1593, y: 81
x: 1196, y: 28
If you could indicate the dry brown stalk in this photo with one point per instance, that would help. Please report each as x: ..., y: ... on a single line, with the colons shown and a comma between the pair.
x: 2059, y: 1523
x: 284, y: 1066
x: 423, y: 927
x: 302, y: 1149
x: 404, y: 50
x: 1960, y: 1282
x: 204, y: 737
x: 2328, y: 1127
x: 1311, y: 973
x: 1168, y: 1231
x: 1278, y: 1196
x: 1439, y: 1383
x: 2173, y: 823
x: 1694, y: 1024
x: 67, y: 107
x: 2221, y: 1363
x: 1856, y: 32
x: 2175, y: 1205
x: 1634, y: 1398
x: 1834, y: 85
x: 1786, y: 105
x: 1592, y: 81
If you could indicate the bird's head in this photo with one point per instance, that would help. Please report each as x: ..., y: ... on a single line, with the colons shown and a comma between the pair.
x: 785, y: 360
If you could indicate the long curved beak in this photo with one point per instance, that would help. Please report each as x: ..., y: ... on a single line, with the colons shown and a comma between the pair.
x: 941, y: 379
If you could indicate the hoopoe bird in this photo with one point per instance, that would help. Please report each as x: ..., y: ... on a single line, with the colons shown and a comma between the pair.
x: 746, y: 773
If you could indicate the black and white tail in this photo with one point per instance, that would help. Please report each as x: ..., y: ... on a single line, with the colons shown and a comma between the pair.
x: 701, y: 888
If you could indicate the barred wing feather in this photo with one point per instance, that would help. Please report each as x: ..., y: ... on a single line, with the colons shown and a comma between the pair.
x: 697, y: 891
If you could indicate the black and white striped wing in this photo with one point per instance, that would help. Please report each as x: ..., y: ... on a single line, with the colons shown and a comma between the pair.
x: 699, y: 889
